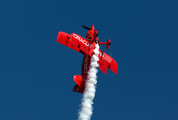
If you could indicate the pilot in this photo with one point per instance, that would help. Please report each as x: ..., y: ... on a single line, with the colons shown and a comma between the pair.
x: 92, y: 35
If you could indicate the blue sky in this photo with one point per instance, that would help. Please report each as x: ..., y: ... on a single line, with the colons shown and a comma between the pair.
x: 36, y: 72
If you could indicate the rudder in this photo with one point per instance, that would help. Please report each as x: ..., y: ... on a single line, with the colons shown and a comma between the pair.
x: 78, y: 89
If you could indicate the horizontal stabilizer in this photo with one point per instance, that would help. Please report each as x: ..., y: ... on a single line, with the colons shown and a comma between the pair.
x: 78, y: 80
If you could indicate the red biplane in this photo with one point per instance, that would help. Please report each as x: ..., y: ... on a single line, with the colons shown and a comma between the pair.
x: 86, y: 47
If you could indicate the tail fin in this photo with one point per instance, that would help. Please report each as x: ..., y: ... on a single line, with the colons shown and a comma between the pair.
x: 79, y: 87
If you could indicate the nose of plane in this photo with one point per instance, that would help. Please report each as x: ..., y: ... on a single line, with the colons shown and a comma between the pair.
x: 92, y: 27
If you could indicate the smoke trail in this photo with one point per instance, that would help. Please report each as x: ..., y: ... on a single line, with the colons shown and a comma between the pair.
x: 89, y: 94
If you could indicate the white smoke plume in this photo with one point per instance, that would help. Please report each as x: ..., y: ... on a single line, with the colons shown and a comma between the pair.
x: 89, y: 93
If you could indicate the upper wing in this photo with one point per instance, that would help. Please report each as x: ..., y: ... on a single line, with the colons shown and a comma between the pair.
x: 75, y: 42
x: 105, y: 61
x: 79, y: 44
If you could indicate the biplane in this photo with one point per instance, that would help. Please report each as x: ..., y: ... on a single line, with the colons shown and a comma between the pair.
x: 86, y: 47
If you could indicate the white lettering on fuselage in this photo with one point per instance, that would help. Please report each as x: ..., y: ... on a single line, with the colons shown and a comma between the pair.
x: 86, y: 63
x: 80, y: 39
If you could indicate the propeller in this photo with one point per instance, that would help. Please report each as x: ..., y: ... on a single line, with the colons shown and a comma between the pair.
x: 85, y: 27
x: 89, y: 28
x: 99, y: 29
